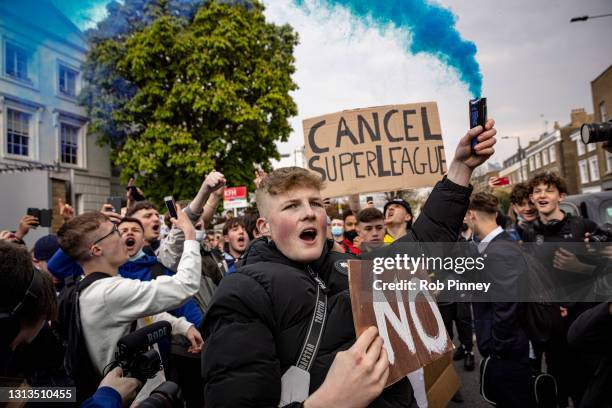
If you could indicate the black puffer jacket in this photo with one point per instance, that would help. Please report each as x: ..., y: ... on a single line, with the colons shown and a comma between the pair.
x: 260, y: 314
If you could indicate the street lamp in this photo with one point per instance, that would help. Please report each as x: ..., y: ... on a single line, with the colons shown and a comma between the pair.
x: 520, y: 151
x: 585, y: 18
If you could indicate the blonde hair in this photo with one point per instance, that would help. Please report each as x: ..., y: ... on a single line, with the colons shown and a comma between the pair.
x: 283, y: 180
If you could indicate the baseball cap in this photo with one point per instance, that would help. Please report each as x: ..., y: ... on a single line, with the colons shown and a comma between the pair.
x: 398, y: 201
x: 45, y: 247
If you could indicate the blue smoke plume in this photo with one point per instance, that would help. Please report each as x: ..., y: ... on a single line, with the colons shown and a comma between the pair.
x: 81, y: 12
x: 432, y: 29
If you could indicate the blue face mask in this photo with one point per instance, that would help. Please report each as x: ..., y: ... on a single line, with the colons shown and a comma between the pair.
x: 136, y: 257
x: 336, y: 230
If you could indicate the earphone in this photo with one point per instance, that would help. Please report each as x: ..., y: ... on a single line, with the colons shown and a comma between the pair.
x: 9, y: 320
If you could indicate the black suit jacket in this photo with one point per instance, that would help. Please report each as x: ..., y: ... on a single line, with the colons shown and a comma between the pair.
x: 497, y: 318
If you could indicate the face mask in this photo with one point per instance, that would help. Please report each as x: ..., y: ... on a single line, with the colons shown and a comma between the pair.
x: 350, y: 235
x: 199, y: 235
x: 139, y: 255
x: 336, y: 230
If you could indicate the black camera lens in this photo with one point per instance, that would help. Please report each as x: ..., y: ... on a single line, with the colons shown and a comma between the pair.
x: 596, y: 132
x: 166, y: 395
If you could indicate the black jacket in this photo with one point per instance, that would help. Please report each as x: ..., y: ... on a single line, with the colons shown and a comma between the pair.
x: 498, y: 324
x: 591, y: 335
x: 260, y: 314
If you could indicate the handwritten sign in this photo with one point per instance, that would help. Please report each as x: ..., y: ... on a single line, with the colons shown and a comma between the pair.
x: 376, y: 149
x: 408, y: 321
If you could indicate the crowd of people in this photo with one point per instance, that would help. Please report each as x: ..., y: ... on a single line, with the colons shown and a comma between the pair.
x: 241, y: 300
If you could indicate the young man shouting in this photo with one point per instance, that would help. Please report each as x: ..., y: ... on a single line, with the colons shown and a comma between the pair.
x: 259, y: 317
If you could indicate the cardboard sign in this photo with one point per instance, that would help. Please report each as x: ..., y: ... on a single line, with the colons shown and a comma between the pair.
x: 408, y: 321
x: 235, y: 197
x: 376, y: 149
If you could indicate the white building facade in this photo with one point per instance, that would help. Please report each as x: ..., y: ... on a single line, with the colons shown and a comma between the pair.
x: 45, y: 150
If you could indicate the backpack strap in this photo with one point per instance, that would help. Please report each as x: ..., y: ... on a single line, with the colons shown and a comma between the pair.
x: 157, y: 270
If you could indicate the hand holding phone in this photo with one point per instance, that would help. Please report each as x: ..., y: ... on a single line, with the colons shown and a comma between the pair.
x: 116, y: 203
x: 169, y: 200
x: 478, y: 117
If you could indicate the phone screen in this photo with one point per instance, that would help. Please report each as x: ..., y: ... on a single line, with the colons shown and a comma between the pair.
x: 170, y: 205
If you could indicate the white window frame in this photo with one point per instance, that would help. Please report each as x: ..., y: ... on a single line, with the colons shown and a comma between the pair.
x: 33, y: 131
x: 594, y: 168
x: 531, y: 163
x: 583, y: 169
x: 591, y: 147
x: 603, y: 111
x: 608, y: 156
x: 545, y: 157
x: 580, y: 147
x: 58, y: 120
x: 31, y: 63
x: 552, y: 153
x: 538, y: 162
x: 77, y: 80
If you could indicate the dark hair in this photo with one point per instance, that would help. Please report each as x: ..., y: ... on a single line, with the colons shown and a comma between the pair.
x: 549, y: 179
x: 16, y: 271
x: 141, y: 205
x: 369, y: 215
x: 346, y: 214
x: 231, y: 223
x: 73, y: 236
x: 520, y: 193
x: 132, y: 220
x: 484, y: 202
x: 250, y: 222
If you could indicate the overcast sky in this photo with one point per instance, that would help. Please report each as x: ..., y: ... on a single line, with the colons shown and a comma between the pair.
x: 536, y: 66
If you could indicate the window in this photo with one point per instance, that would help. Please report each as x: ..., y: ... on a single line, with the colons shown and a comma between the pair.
x: 17, y: 133
x: 591, y: 147
x: 584, y: 171
x: 69, y: 144
x: 67, y: 81
x: 544, y: 157
x: 608, y: 162
x: 594, y: 165
x: 580, y: 147
x: 603, y: 112
x: 531, y: 164
x: 538, y: 163
x: 16, y: 61
x: 553, y: 154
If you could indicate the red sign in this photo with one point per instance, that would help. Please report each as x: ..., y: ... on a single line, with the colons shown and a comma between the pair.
x: 234, y: 193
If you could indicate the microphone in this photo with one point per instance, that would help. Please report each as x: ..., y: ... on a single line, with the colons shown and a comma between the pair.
x: 143, y: 338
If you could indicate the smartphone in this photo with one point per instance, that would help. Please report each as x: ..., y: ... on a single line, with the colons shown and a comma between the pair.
x: 369, y: 199
x: 170, y: 205
x: 35, y: 212
x: 46, y: 218
x: 478, y: 116
x: 135, y: 194
x: 115, y: 202
x: 502, y: 181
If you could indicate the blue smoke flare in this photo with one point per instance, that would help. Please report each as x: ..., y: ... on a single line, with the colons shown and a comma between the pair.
x: 432, y: 29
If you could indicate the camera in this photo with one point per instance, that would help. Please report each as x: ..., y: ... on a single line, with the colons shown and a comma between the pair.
x: 596, y: 132
x: 602, y: 234
x: 135, y: 353
x: 166, y: 395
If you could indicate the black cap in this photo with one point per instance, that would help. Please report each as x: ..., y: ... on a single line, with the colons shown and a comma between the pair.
x: 398, y: 201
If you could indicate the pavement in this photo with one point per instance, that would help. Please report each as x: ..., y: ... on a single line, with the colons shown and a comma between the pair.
x: 469, y: 384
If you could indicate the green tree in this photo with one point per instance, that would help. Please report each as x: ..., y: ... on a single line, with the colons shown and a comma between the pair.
x: 206, y: 93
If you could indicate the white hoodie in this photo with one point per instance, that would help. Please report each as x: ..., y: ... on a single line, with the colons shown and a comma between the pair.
x: 109, y: 306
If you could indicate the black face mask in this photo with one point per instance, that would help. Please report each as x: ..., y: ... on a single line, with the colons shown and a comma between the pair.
x: 350, y: 235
